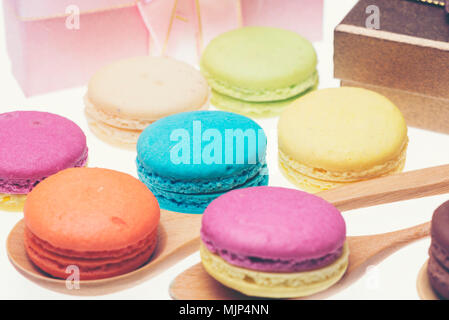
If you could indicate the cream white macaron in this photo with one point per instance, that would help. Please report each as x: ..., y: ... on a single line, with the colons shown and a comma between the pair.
x: 124, y: 97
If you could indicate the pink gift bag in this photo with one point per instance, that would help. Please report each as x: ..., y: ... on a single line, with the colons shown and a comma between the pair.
x: 55, y: 45
x: 182, y: 28
x: 173, y: 26
x: 217, y: 17
x: 302, y: 16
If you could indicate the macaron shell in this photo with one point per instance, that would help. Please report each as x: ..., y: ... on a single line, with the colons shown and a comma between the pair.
x: 36, y: 145
x: 438, y: 277
x: 147, y: 88
x: 84, y: 209
x: 274, y: 285
x: 294, y: 172
x: 193, y: 186
x: 161, y: 136
x: 440, y: 226
x: 259, y: 109
x: 97, y: 266
x: 258, y: 63
x: 197, y: 203
x: 89, y: 270
x: 273, y: 223
x: 96, y: 115
x: 12, y: 202
x: 123, y: 138
x: 440, y: 254
x: 342, y: 129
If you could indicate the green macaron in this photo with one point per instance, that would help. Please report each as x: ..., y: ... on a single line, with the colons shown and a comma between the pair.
x: 257, y: 71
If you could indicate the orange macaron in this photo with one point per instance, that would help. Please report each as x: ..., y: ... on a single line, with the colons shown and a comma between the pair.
x: 102, y: 221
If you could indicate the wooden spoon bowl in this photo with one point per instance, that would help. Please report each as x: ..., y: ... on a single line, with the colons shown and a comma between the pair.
x: 183, y: 241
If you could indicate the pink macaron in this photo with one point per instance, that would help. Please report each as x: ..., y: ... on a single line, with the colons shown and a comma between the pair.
x: 33, y: 146
x: 274, y: 230
x: 274, y: 242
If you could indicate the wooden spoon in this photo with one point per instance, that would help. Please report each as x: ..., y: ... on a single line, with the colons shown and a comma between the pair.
x: 398, y: 187
x: 196, y: 284
x: 178, y: 237
x: 423, y: 285
x: 179, y: 233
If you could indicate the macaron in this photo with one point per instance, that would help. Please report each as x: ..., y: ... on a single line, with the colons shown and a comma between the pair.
x: 124, y: 97
x: 336, y: 136
x: 273, y: 242
x: 101, y: 221
x: 257, y: 71
x: 438, y: 267
x: 35, y: 145
x: 189, y: 159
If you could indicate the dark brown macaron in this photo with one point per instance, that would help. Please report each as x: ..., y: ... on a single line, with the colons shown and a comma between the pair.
x: 438, y: 269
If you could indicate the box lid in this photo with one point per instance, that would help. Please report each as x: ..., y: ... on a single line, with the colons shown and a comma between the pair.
x: 410, y: 50
x: 405, y: 17
x: 43, y: 9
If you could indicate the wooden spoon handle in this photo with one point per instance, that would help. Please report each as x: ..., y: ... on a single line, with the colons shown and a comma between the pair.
x: 363, y: 248
x: 397, y: 187
x: 401, y: 237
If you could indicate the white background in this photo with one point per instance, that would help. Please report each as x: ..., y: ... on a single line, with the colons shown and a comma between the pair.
x: 392, y: 278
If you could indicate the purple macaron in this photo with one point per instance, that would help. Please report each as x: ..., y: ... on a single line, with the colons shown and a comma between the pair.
x: 438, y: 268
x: 274, y: 229
x: 35, y: 145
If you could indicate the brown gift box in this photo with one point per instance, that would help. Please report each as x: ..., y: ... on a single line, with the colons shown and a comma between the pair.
x: 406, y: 59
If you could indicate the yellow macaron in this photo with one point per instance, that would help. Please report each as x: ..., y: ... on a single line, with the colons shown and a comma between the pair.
x: 274, y: 284
x: 336, y: 136
x: 12, y: 202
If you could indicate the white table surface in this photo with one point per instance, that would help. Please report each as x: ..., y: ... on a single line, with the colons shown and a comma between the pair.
x: 391, y: 278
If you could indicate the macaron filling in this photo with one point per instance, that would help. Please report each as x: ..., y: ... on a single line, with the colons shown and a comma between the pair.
x: 438, y: 277
x: 55, y: 260
x: 387, y: 167
x: 114, y: 121
x: 440, y: 254
x: 273, y: 264
x: 265, y: 95
x: 255, y: 109
x: 274, y: 284
x: 319, y: 179
x: 12, y: 202
x: 196, y: 203
x: 128, y: 251
x: 13, y: 186
x: 198, y: 185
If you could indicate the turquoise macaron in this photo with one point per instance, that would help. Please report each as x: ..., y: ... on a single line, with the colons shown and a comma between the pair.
x: 191, y: 158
